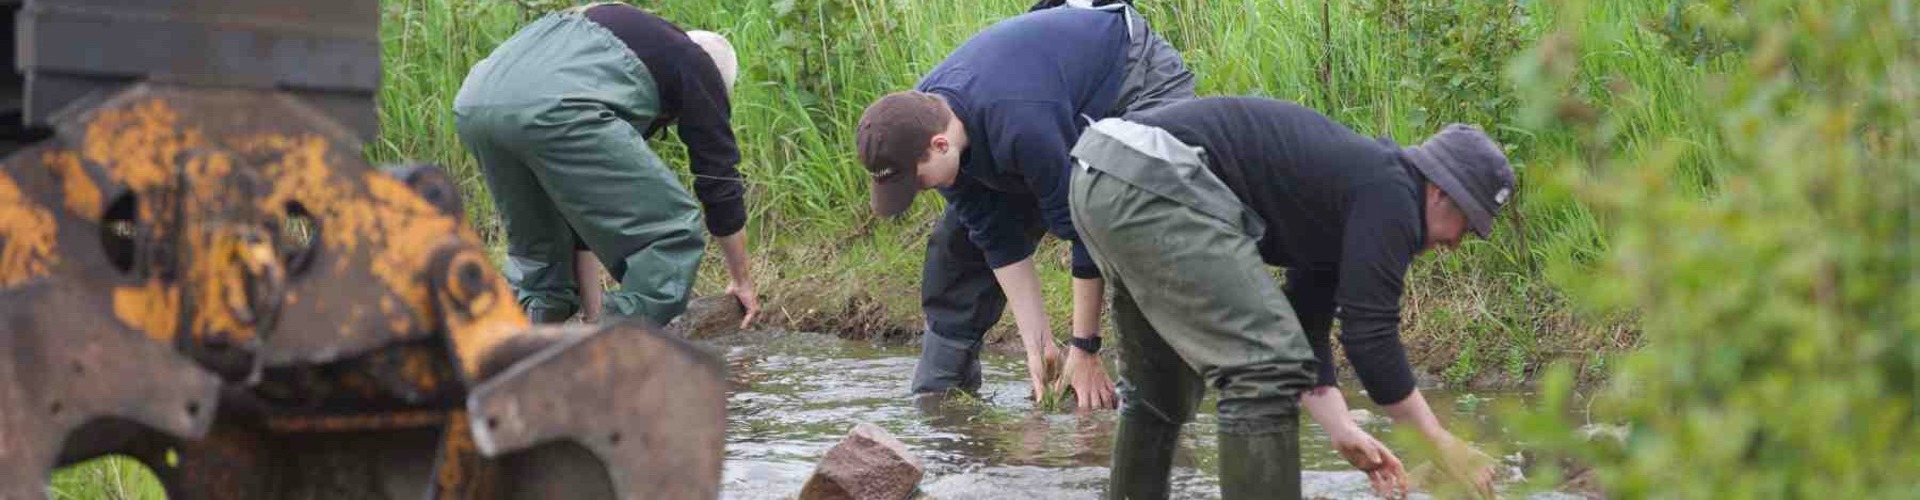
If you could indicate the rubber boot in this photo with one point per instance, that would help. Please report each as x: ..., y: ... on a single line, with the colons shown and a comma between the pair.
x: 548, y: 315
x: 1142, y: 458
x: 1263, y: 465
x: 946, y: 364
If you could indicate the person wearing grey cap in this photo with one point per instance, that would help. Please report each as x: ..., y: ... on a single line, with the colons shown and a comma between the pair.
x: 1184, y: 207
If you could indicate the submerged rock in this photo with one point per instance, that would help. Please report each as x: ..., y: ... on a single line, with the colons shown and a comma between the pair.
x: 869, y: 464
x: 1596, y: 432
x: 708, y: 317
x: 1362, y: 417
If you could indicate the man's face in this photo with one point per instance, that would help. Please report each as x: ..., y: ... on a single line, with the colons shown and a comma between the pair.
x: 943, y: 160
x: 1446, y: 224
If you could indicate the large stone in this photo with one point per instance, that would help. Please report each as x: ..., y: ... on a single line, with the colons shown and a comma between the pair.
x: 708, y: 317
x: 868, y: 465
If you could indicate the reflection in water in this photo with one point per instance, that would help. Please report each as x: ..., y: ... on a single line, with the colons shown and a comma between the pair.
x: 794, y: 395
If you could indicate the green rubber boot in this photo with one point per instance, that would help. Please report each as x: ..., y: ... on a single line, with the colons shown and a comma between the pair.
x: 1265, y: 465
x: 1142, y: 458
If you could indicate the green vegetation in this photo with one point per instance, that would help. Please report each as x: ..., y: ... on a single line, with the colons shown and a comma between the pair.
x: 1781, y: 309
x: 111, y: 477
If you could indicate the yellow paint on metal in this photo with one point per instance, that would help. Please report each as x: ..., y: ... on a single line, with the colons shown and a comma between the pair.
x: 82, y: 195
x: 27, y: 234
x: 152, y: 308
x: 412, y: 230
x: 139, y: 143
x: 485, y: 321
x: 303, y: 174
x: 224, y: 255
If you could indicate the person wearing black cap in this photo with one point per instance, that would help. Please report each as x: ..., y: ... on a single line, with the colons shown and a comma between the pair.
x: 1183, y: 207
x: 990, y: 128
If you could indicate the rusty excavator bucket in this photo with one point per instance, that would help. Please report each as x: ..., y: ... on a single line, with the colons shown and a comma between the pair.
x: 200, y: 270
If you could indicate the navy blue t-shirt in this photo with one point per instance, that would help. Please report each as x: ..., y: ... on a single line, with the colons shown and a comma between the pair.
x: 1025, y: 88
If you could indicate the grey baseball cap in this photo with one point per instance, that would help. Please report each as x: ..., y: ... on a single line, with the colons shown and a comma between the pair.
x: 1471, y: 168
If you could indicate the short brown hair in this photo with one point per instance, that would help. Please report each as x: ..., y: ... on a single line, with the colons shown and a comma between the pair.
x: 893, y: 133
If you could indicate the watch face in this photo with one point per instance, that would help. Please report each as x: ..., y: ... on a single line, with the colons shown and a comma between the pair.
x: 1090, y: 345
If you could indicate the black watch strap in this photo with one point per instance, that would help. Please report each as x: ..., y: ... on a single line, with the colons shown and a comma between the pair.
x: 1090, y: 345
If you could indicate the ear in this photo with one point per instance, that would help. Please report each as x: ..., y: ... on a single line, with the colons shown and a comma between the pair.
x: 939, y: 143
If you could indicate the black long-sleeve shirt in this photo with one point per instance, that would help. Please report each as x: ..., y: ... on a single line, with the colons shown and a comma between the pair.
x: 1343, y: 214
x: 693, y: 95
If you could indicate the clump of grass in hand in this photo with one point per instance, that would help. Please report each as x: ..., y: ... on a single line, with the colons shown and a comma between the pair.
x: 1059, y: 394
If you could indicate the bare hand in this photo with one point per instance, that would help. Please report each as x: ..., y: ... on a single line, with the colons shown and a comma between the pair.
x: 742, y: 290
x: 1384, y: 471
x: 1042, y: 367
x: 1467, y: 465
x: 1091, y: 387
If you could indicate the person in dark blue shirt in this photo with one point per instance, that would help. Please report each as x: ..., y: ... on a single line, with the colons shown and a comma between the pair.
x: 990, y: 128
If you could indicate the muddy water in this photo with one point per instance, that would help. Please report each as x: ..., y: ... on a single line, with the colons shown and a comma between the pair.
x: 794, y: 395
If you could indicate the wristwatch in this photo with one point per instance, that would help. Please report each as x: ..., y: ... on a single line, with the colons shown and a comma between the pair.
x: 1090, y: 345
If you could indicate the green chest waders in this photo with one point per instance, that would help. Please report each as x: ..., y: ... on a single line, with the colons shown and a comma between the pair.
x: 1193, y: 307
x: 551, y: 118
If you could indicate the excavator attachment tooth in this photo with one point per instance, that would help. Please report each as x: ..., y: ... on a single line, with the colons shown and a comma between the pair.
x: 645, y: 408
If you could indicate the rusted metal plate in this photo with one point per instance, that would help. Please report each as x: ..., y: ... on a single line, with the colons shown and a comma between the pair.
x: 650, y: 407
x: 69, y: 49
x: 63, y: 366
x: 206, y: 232
x: 207, y: 171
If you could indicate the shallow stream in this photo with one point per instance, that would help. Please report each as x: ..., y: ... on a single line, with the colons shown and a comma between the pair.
x: 796, y: 394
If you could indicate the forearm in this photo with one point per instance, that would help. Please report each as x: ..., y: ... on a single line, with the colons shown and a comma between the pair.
x: 1021, y: 284
x: 1413, y: 412
x: 733, y: 249
x: 1088, y: 299
x: 1328, y: 407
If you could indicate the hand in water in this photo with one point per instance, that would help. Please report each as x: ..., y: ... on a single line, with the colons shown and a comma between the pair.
x: 1091, y: 387
x: 1042, y: 367
x: 1467, y: 465
x: 1384, y: 471
x: 742, y: 290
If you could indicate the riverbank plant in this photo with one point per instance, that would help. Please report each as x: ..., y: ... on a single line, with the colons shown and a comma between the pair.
x: 1781, y: 307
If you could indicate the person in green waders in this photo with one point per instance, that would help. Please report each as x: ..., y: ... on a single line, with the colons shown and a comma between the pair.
x: 558, y: 117
x: 1183, y: 207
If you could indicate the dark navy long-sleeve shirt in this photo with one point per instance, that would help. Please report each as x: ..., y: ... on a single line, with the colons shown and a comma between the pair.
x: 1343, y: 215
x: 1025, y: 88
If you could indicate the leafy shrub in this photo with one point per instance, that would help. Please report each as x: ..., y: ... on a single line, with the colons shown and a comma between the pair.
x: 1781, y: 308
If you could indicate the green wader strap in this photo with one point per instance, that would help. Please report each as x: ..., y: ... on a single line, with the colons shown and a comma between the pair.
x: 1155, y: 161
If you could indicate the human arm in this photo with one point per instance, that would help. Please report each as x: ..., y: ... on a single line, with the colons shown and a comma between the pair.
x: 704, y: 124
x: 1328, y: 407
x: 1382, y: 235
x: 1031, y: 139
x: 1092, y: 388
x: 733, y: 250
x: 1021, y: 284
